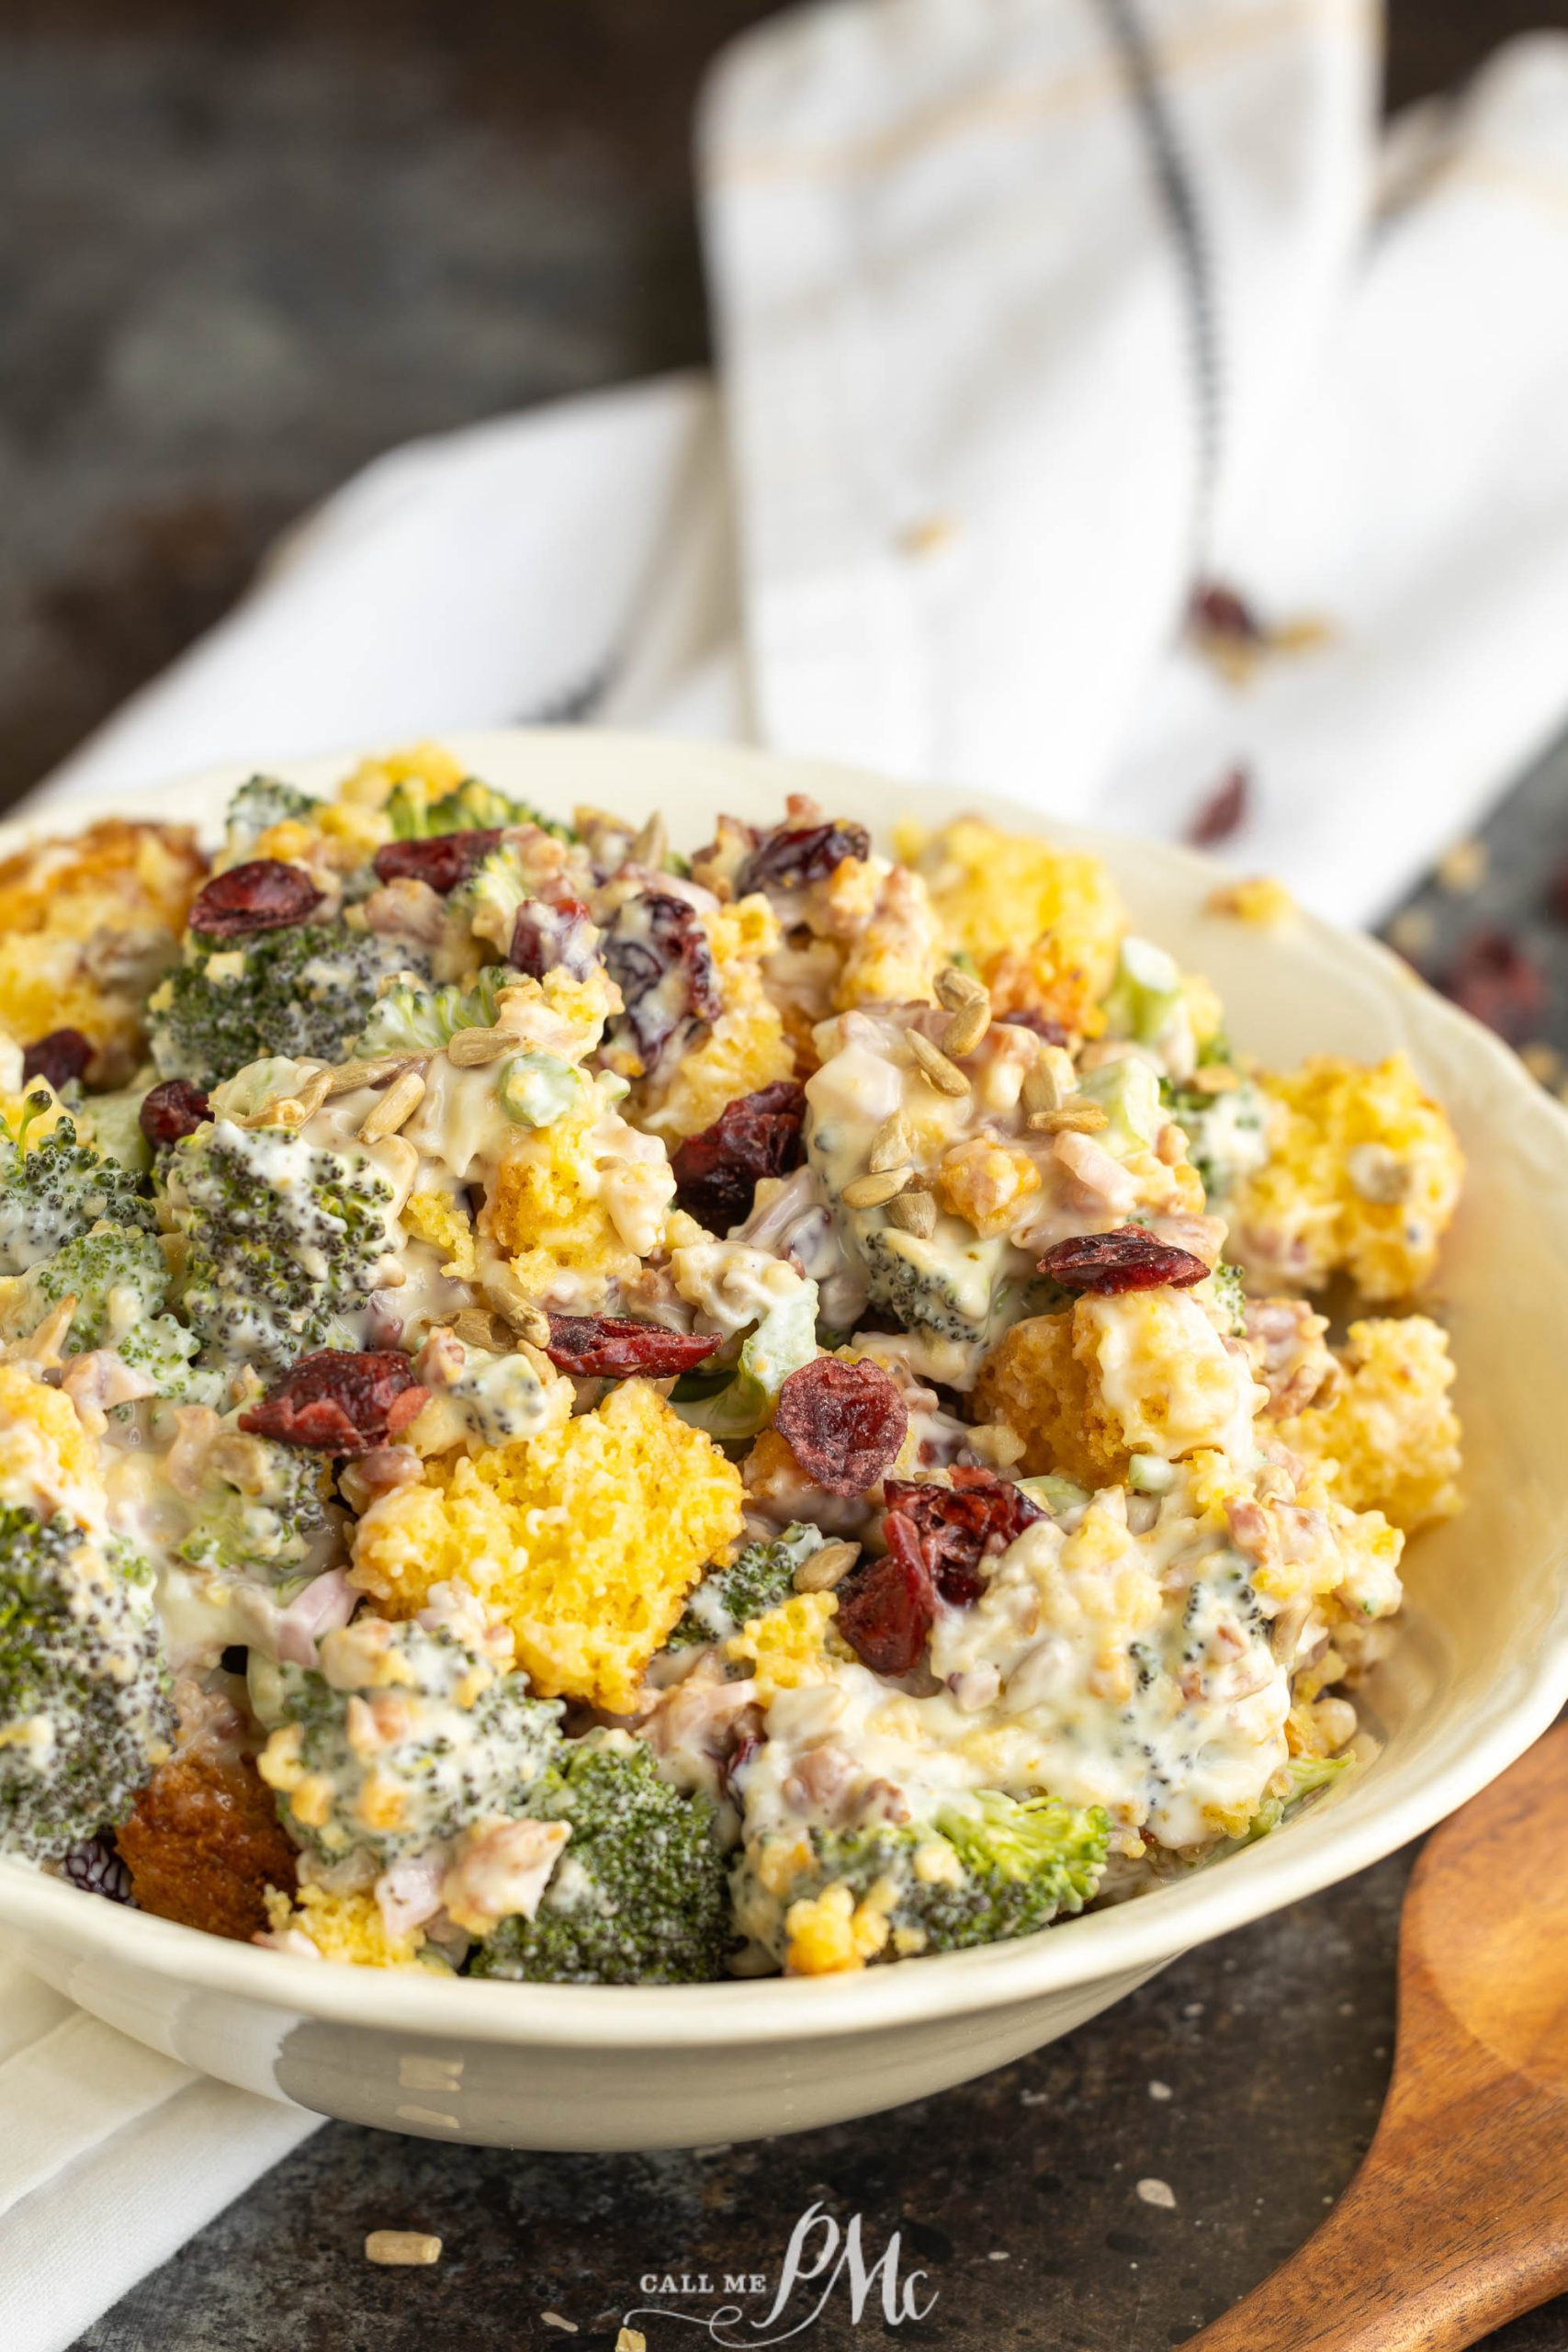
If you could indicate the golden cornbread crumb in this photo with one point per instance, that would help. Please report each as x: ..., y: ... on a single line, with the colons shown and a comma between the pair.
x: 348, y: 1928
x: 747, y: 1047
x: 585, y: 1540
x: 1390, y: 1432
x: 545, y: 1210
x: 46, y: 1459
x: 60, y: 902
x: 435, y: 1217
x: 1363, y: 1177
x: 985, y: 1182
x: 1043, y: 924
x: 829, y: 1933
x: 785, y: 1648
x: 428, y: 770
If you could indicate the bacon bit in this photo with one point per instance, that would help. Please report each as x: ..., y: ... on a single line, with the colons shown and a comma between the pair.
x: 553, y: 934
x: 58, y: 1057
x: 441, y: 863
x: 794, y: 855
x: 717, y: 1172
x: 263, y: 894
x: 957, y: 1526
x: 887, y: 1607
x: 1224, y: 812
x: 1129, y: 1259
x: 173, y: 1109
x: 1495, y: 978
x: 1218, y: 611
x: 614, y: 1347
x: 338, y: 1400
x: 844, y: 1423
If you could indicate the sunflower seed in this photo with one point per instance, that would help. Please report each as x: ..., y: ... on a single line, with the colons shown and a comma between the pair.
x: 402, y: 2246
x: 470, y: 1047
x: 401, y: 1101
x: 934, y: 1065
x: 870, y: 1192
x: 957, y: 988
x: 826, y: 1568
x: 913, y: 1212
x: 1079, y: 1118
x: 892, y: 1145
x: 353, y: 1075
x: 651, y: 846
x: 966, y: 1028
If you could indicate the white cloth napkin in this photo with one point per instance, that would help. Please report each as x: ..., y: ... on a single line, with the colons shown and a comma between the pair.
x: 1031, y: 314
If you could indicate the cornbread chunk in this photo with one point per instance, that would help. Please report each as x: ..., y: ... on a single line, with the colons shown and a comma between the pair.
x: 1363, y: 1177
x: 585, y: 1540
x: 1390, y: 1432
x: 203, y: 1844
x: 747, y: 1047
x: 343, y: 1927
x: 1043, y: 924
x: 1145, y: 1372
x: 87, y: 925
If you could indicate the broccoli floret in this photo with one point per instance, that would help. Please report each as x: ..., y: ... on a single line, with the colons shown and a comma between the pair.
x: 84, y: 1712
x: 1229, y: 1294
x: 931, y: 1285
x: 271, y: 1526
x: 488, y: 902
x: 304, y: 993
x: 56, y: 1190
x: 411, y: 1019
x: 113, y: 1125
x: 439, y: 1740
x: 981, y: 1870
x: 1228, y: 1134
x: 471, y: 806
x: 756, y: 1581
x: 284, y: 1240
x: 1301, y: 1777
x: 639, y: 1895
x: 263, y: 802
x: 118, y: 1275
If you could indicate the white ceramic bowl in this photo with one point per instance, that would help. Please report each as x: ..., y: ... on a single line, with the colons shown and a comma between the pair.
x: 1480, y: 1671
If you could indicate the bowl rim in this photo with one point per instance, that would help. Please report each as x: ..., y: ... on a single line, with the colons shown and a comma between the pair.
x: 1122, y: 1942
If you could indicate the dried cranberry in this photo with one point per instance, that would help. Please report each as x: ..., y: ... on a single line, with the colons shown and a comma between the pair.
x: 886, y: 1607
x: 957, y: 1526
x: 263, y: 894
x: 97, y: 1868
x: 443, y: 863
x: 1224, y: 811
x: 61, y: 1057
x: 844, y: 1422
x: 1493, y: 977
x: 614, y: 1346
x: 553, y: 934
x: 337, y: 1401
x: 657, y: 953
x: 717, y: 1172
x: 1130, y: 1259
x: 797, y: 855
x: 1217, y: 611
x: 173, y: 1109
x: 735, y: 1763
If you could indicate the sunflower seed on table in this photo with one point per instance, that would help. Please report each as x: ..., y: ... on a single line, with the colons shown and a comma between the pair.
x: 934, y: 1065
x: 403, y: 2247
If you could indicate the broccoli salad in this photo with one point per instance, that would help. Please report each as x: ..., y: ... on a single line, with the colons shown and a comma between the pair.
x: 580, y: 1412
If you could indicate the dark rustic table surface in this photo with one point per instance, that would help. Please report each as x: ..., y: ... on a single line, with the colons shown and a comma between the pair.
x: 242, y: 248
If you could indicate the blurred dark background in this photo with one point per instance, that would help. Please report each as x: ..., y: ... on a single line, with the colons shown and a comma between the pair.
x: 245, y: 246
